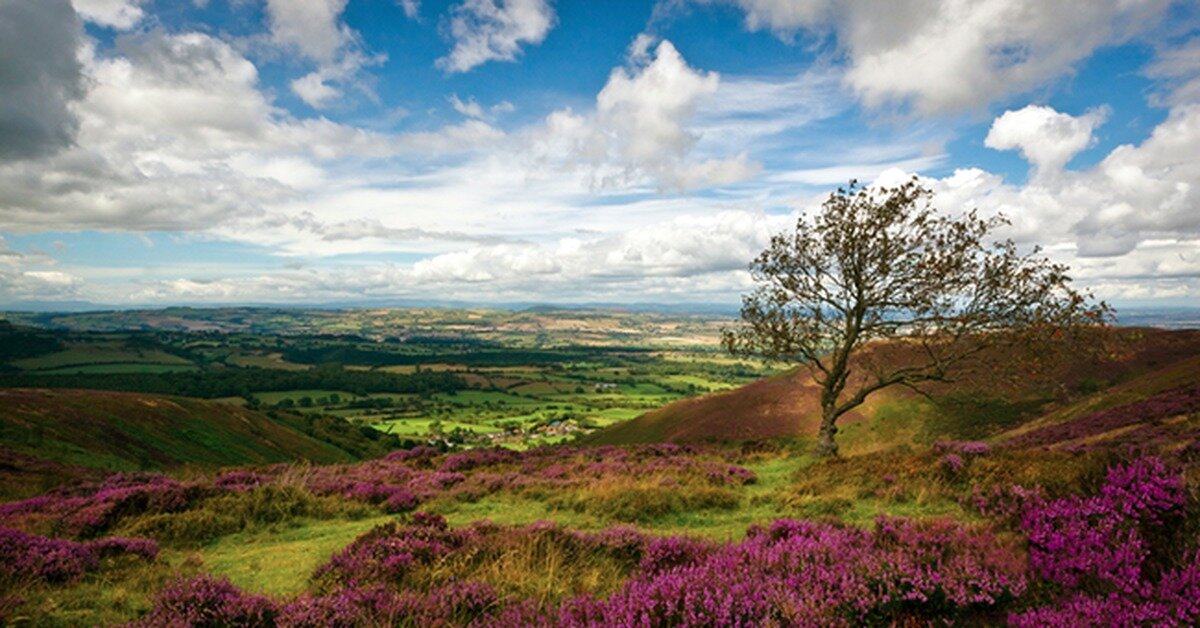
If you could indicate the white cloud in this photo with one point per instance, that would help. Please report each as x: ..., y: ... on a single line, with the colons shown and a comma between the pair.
x: 314, y: 28
x: 472, y: 109
x: 313, y: 90
x: 118, y: 14
x: 1178, y: 71
x: 175, y: 134
x: 1127, y: 226
x: 494, y: 30
x: 686, y: 258
x: 412, y: 8
x: 28, y: 277
x: 639, y: 130
x: 1046, y: 138
x: 942, y: 56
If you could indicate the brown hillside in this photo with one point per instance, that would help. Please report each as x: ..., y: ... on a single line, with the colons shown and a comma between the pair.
x: 787, y: 404
x: 43, y: 432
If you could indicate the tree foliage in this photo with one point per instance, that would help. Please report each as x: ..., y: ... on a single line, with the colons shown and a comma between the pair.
x: 882, y: 264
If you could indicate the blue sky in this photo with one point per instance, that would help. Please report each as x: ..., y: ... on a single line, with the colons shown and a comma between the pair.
x: 314, y: 151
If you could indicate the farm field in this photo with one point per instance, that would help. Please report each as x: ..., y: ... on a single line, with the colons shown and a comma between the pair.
x: 498, y: 378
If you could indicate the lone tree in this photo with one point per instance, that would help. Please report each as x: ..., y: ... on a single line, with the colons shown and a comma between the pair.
x: 881, y: 264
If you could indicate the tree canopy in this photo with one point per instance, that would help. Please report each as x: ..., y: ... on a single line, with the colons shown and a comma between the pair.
x: 876, y: 264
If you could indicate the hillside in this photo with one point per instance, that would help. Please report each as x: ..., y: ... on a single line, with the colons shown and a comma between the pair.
x: 43, y: 430
x: 981, y: 406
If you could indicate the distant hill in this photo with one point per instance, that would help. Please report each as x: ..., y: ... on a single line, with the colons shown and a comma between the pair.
x: 46, y: 433
x: 786, y: 405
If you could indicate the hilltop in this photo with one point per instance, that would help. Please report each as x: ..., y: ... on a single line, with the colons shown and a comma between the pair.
x: 978, y: 406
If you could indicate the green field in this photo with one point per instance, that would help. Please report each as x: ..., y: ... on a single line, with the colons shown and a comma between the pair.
x: 585, y: 370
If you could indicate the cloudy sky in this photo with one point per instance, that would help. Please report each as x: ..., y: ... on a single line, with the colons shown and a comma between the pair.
x: 344, y: 151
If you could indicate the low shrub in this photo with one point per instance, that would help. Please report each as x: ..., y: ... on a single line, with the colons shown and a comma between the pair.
x: 31, y: 558
x: 204, y: 601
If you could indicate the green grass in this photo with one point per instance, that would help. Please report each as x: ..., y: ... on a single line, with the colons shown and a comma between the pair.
x: 411, y: 427
x: 97, y: 354
x: 134, y: 367
x: 484, y: 396
x: 279, y: 562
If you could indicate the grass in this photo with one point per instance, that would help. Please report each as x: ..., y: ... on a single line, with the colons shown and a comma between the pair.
x: 279, y: 562
x: 131, y: 432
x: 100, y: 353
x: 134, y: 367
x: 420, y: 427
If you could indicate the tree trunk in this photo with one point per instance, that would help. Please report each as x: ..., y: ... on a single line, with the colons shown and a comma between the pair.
x: 826, y: 445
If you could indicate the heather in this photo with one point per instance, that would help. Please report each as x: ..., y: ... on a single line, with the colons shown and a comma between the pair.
x: 30, y: 558
x: 966, y: 531
x: 1183, y: 400
x: 791, y: 572
x: 1114, y: 555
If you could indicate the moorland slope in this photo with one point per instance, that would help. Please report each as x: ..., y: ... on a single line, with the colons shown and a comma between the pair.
x: 41, y: 430
x: 979, y: 405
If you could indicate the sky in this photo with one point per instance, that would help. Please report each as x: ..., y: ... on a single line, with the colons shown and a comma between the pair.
x: 158, y: 152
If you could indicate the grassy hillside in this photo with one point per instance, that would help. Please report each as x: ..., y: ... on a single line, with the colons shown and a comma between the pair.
x: 979, y: 406
x: 131, y: 432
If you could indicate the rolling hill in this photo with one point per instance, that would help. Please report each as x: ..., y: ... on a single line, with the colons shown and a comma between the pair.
x: 54, y: 434
x: 980, y: 406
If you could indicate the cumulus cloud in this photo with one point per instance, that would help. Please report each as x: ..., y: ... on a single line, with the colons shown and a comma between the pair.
x: 313, y: 89
x: 639, y: 130
x: 1046, y: 138
x: 40, y: 76
x: 314, y: 28
x: 1136, y: 195
x: 30, y: 276
x: 175, y: 134
x: 494, y: 30
x: 118, y: 14
x: 938, y: 56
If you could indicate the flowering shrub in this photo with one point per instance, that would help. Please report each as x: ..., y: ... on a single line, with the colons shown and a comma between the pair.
x: 664, y: 554
x: 40, y: 558
x: 965, y: 448
x: 1182, y: 400
x: 1098, y: 549
x: 952, y: 464
x: 124, y: 546
x: 404, y: 480
x: 793, y: 571
x: 241, y: 480
x: 30, y: 557
x: 207, y: 601
x: 797, y: 572
x: 91, y: 508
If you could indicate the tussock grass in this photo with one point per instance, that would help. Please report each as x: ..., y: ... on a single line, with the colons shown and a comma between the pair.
x: 228, y: 513
x: 645, y: 500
